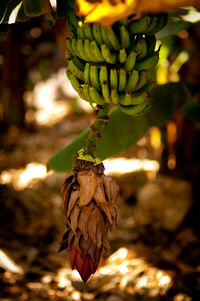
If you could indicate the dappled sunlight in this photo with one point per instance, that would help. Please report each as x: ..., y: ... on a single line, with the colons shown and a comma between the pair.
x: 8, y: 264
x: 124, y: 165
x: 22, y: 178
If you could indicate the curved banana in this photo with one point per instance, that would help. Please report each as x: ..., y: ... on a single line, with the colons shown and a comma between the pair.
x: 73, y: 20
x: 141, y: 81
x: 80, y: 30
x: 74, y: 80
x: 130, y: 63
x: 122, y: 55
x: 104, y: 36
x: 133, y: 109
x: 139, y: 26
x: 68, y: 54
x: 86, y: 92
x: 74, y: 49
x: 97, y: 33
x: 162, y: 20
x: 143, y: 52
x: 113, y: 78
x: 152, y: 25
x: 114, y: 96
x: 75, y: 70
x: 96, y: 51
x: 148, y: 63
x: 108, y: 55
x: 124, y: 36
x: 106, y: 91
x: 112, y: 38
x: 81, y: 51
x: 129, y: 98
x: 94, y: 77
x: 103, y: 74
x: 122, y: 79
x: 86, y: 74
x: 78, y: 63
x: 69, y: 44
x: 132, y: 81
x: 70, y: 28
x: 95, y: 96
x: 87, y: 28
x: 88, y: 50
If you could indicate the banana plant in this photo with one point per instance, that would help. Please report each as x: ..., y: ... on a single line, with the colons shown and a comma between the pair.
x: 111, y: 67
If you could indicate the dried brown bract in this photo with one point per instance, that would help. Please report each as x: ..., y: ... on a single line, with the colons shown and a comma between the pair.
x: 90, y: 206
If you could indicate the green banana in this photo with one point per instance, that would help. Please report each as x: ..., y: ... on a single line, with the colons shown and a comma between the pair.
x: 95, y: 96
x: 96, y: 51
x: 130, y: 63
x: 73, y: 20
x: 81, y: 51
x: 133, y: 109
x: 113, y: 78
x: 94, y: 77
x: 122, y: 55
x: 139, y: 26
x: 86, y: 92
x: 114, y: 96
x: 97, y: 33
x: 141, y: 81
x: 70, y: 28
x: 74, y: 81
x: 122, y: 79
x: 112, y: 38
x: 86, y: 74
x: 74, y: 49
x: 132, y: 81
x: 106, y: 91
x: 80, y: 30
x: 108, y: 55
x: 104, y: 36
x: 87, y: 28
x: 88, y: 50
x: 162, y: 20
x: 129, y: 98
x: 103, y: 74
x: 75, y: 70
x: 69, y: 44
x: 143, y: 111
x: 152, y: 25
x: 139, y: 97
x: 148, y: 63
x: 143, y: 52
x: 151, y: 44
x: 124, y: 36
x: 68, y: 54
x: 78, y: 63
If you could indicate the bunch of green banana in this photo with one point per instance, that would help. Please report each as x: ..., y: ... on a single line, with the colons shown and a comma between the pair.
x: 112, y: 64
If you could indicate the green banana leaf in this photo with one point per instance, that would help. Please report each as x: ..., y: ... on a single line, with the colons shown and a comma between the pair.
x: 123, y: 130
x: 192, y: 111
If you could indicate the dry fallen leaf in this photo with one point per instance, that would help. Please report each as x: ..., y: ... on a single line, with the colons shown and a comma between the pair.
x: 106, y: 12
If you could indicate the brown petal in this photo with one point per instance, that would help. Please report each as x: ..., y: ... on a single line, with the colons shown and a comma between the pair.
x: 91, y: 250
x: 65, y: 190
x: 76, y: 241
x: 73, y: 198
x: 88, y: 184
x: 74, y: 218
x: 99, y: 195
x: 72, y: 255
x: 111, y: 189
x: 84, y: 246
x: 86, y: 273
x: 92, y: 224
x: 83, y: 219
x: 106, y: 209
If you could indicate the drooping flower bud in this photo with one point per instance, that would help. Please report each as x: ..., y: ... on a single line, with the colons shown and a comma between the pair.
x: 90, y: 206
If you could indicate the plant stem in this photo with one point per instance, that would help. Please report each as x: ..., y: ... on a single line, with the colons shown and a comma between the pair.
x: 96, y: 130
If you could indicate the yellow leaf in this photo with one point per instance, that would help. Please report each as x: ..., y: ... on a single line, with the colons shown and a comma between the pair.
x: 106, y: 12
